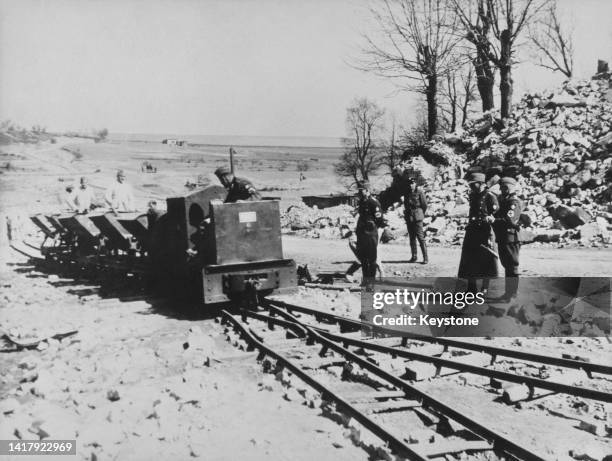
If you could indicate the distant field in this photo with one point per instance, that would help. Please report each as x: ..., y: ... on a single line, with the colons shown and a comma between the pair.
x: 236, y: 141
x: 271, y: 168
x: 39, y: 173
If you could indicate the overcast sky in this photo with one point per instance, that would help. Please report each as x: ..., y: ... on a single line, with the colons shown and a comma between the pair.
x: 244, y: 67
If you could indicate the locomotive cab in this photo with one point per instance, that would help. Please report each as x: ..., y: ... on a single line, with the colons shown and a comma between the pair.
x: 205, y: 249
x: 244, y: 252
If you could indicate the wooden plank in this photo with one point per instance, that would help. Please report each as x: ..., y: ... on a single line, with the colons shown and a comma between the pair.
x: 374, y: 395
x: 445, y: 447
x: 388, y: 405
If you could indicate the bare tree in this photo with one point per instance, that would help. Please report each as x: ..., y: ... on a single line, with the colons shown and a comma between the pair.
x: 494, y: 28
x: 553, y: 42
x: 362, y: 155
x: 458, y: 92
x: 413, y: 139
x: 450, y: 98
x: 469, y: 94
x: 416, y: 41
x: 476, y: 23
x: 392, y: 151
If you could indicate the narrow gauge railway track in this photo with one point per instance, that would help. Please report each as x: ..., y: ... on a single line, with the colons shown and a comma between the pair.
x: 532, y: 383
x: 489, y: 439
x: 348, y: 324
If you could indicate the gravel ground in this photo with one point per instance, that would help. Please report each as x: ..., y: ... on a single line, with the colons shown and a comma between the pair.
x: 142, y: 378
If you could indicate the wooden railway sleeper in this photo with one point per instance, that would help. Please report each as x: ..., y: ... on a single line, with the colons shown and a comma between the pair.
x: 506, y: 445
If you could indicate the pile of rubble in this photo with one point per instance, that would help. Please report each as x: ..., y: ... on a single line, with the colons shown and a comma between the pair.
x: 333, y: 222
x: 559, y: 147
x: 557, y: 144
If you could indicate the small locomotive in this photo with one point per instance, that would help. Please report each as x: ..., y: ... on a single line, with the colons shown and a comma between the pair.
x: 200, y: 248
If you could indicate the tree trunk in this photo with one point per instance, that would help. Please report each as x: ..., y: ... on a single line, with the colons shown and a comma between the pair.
x: 364, y: 171
x: 505, y: 75
x: 505, y: 89
x: 451, y: 83
x: 464, y: 110
x: 432, y: 108
x: 485, y: 81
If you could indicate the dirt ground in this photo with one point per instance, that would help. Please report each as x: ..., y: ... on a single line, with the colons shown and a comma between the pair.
x: 142, y: 379
x: 535, y: 260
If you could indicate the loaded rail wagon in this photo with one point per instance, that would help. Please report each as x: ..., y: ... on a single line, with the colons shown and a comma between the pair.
x: 200, y: 248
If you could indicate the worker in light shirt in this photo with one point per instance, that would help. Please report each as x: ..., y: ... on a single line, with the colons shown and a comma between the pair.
x: 84, y: 197
x: 120, y: 196
x: 68, y: 198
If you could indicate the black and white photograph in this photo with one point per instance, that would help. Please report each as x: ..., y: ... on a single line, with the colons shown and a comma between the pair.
x: 374, y: 230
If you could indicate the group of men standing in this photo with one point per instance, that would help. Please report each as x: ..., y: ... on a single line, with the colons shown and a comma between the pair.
x: 491, y: 232
x: 118, y: 197
x: 493, y: 224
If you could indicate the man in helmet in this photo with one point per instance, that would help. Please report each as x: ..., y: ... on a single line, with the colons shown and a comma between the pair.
x: 505, y: 224
x: 478, y: 257
x: 238, y: 189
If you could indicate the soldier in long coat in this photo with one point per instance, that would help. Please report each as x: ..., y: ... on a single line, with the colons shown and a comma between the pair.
x: 370, y: 219
x: 478, y: 255
x: 506, y: 226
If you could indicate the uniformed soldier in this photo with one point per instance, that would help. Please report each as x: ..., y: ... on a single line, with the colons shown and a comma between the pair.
x: 506, y: 229
x: 478, y: 256
x: 370, y: 219
x: 415, y: 206
x: 237, y: 188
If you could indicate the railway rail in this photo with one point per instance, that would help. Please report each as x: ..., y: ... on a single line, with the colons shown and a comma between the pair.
x: 281, y: 314
x: 346, y: 323
x: 488, y: 438
x: 531, y: 382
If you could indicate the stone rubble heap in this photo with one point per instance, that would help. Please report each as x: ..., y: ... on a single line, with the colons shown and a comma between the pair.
x: 333, y: 222
x: 557, y: 144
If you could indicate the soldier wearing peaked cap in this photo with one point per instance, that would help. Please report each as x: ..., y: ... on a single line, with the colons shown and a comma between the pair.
x: 405, y: 185
x: 506, y: 232
x: 415, y: 206
x: 370, y: 219
x: 478, y: 257
x: 237, y: 188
